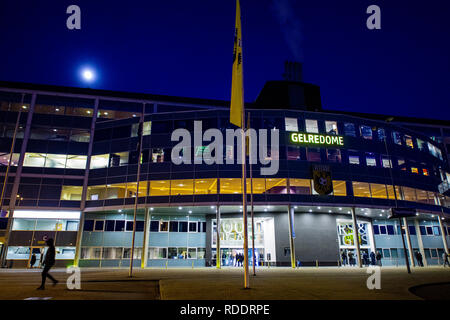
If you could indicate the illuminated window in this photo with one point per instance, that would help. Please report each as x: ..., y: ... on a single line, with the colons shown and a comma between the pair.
x: 422, y: 196
x: 157, y: 155
x: 390, y: 192
x: 55, y: 161
x: 300, y: 186
x: 34, y: 159
x: 116, y: 191
x: 401, y: 163
x: 71, y: 193
x: 409, y: 141
x: 205, y: 186
x: 414, y: 170
x: 291, y: 124
x: 381, y: 134
x: 159, y: 187
x: 366, y: 132
x: 349, y: 129
x: 80, y: 135
x: 370, y: 159
x: 387, y: 163
x: 334, y: 155
x: 421, y: 145
x: 331, y: 127
x: 5, y: 159
x: 96, y: 192
x: 147, y: 128
x: 99, y: 161
x: 293, y: 153
x: 353, y: 157
x: 276, y: 185
x: 259, y: 185
x: 397, y: 138
x: 118, y: 159
x: 311, y: 126
x: 131, y: 189
x: 378, y: 190
x: 425, y: 172
x: 182, y: 187
x: 409, y: 194
x: 339, y: 188
x: 361, y: 189
x: 230, y: 185
x: 76, y: 162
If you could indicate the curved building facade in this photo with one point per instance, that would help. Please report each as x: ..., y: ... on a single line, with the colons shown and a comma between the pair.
x: 81, y: 165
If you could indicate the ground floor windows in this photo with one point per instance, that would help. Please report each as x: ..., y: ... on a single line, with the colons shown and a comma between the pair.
x: 105, y: 253
x: 176, y: 253
x: 25, y: 253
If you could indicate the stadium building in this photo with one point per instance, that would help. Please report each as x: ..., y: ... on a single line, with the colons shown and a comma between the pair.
x: 73, y: 158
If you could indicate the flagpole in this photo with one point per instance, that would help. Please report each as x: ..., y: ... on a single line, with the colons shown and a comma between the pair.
x: 136, y: 200
x: 244, y: 202
x: 251, y: 193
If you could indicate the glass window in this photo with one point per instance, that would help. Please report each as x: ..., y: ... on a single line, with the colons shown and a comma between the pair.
x: 349, y: 129
x: 157, y: 155
x: 436, y: 231
x: 415, y: 170
x: 147, y: 128
x: 409, y: 141
x: 331, y: 127
x: 383, y: 229
x: 412, y: 230
x: 425, y: 172
x: 159, y: 187
x: 396, y: 138
x: 120, y: 225
x: 366, y: 132
x: 172, y: 253
x: 78, y: 135
x: 381, y: 134
x: 300, y: 186
x: 421, y: 145
x: 429, y: 231
x: 118, y: 159
x: 376, y: 229
x: 34, y: 159
x: 401, y: 163
x: 22, y: 224
x: 276, y: 185
x: 71, y: 193
x: 192, y: 253
x: 387, y: 163
x: 386, y: 253
x: 99, y: 161
x: 390, y: 229
x: 423, y: 230
x: 259, y: 185
x: 293, y: 153
x: 88, y: 225
x: 129, y: 226
x: 409, y: 194
x: 182, y: 253
x: 157, y: 253
x: 173, y: 226
x: 201, y: 253
x: 163, y: 226
x: 378, y: 190
x: 313, y: 154
x: 205, y: 186
x: 140, y: 226
x: 353, y: 157
x: 112, y: 253
x: 154, y: 226
x: 99, y: 224
x: 361, y: 189
x: 183, y: 226
x: 339, y: 188
x: 55, y: 161
x: 311, y: 126
x: 370, y: 159
x: 334, y: 155
x: 291, y: 124
x: 76, y: 162
x: 230, y: 185
x: 192, y: 226
x: 182, y: 187
x: 109, y: 225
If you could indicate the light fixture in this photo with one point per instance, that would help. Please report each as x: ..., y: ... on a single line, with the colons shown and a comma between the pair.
x: 24, y: 107
x: 382, y: 210
x: 265, y: 210
x: 190, y: 211
x: 310, y: 210
x: 381, y: 215
x: 295, y: 207
x: 120, y: 210
x: 151, y: 209
x: 179, y: 208
x: 340, y: 208
x: 212, y: 207
x: 318, y: 208
x: 57, y: 109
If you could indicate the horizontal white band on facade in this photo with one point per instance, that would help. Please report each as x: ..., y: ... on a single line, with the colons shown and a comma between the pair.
x: 44, y: 214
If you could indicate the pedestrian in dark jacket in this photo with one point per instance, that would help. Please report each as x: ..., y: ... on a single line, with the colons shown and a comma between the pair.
x: 378, y: 257
x: 372, y: 258
x: 32, y: 261
x: 344, y: 258
x: 419, y: 258
x: 49, y: 262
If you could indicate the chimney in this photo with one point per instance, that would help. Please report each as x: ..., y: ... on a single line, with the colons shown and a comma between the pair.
x: 292, y: 71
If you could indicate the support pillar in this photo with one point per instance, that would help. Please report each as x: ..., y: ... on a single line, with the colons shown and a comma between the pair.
x: 144, y: 257
x: 408, y: 241
x: 444, y: 237
x: 291, y: 234
x: 356, y: 237
x: 420, y: 242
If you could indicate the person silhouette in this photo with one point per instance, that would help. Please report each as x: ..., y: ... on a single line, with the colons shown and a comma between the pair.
x: 32, y: 261
x: 49, y: 262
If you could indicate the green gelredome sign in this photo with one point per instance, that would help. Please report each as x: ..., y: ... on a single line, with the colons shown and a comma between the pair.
x: 315, y: 138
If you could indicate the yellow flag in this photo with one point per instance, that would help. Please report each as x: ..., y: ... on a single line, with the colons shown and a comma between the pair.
x: 237, y: 87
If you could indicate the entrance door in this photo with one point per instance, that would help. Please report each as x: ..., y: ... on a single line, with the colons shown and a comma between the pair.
x: 39, y: 254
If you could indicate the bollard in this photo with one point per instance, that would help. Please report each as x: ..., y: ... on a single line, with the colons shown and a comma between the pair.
x: 166, y: 264
x: 192, y: 264
x: 317, y: 263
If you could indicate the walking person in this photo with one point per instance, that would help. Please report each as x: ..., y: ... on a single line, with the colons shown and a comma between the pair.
x: 32, y: 261
x: 350, y: 258
x: 445, y: 259
x: 372, y: 258
x: 365, y: 259
x: 344, y: 258
x: 49, y: 262
x: 378, y: 257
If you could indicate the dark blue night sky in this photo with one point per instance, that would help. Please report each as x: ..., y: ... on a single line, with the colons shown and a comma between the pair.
x: 184, y: 48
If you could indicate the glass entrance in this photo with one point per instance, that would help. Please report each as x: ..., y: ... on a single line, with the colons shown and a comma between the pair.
x: 36, y: 257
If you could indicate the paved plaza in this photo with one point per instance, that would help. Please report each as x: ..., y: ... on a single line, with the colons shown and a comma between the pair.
x: 227, y: 284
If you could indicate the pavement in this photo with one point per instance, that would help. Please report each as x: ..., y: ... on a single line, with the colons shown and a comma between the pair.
x: 305, y: 283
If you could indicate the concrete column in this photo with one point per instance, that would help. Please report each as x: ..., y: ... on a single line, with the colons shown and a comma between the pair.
x: 356, y: 236
x: 408, y: 240
x: 85, y: 184
x: 291, y: 234
x: 13, y: 196
x: 144, y: 257
x: 419, y: 241
x: 444, y: 238
x: 218, y: 255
